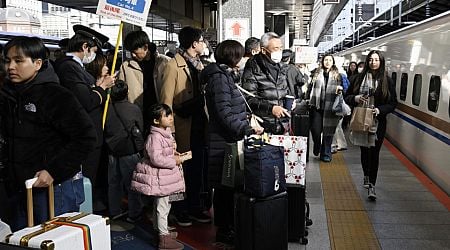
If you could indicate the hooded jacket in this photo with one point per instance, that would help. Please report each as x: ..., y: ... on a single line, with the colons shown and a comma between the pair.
x: 45, y: 128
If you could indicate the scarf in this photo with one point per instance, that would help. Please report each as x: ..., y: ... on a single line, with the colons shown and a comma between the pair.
x: 366, y: 139
x: 194, y: 61
x: 322, y: 98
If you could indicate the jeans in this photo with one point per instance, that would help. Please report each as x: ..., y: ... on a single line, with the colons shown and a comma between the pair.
x: 370, y: 156
x: 68, y: 197
x: 120, y: 172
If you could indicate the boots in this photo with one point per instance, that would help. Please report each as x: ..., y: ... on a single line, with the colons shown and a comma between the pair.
x: 166, y: 242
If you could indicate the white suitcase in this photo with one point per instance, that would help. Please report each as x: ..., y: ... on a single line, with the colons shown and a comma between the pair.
x: 69, y: 231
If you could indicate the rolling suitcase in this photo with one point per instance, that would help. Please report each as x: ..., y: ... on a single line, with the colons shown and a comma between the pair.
x: 70, y: 231
x: 297, y: 214
x: 261, y: 224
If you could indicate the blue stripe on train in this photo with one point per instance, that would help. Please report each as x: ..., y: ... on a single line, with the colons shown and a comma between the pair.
x: 427, y: 130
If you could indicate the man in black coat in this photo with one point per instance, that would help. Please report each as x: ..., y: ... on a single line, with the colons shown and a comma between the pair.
x: 265, y: 77
x: 48, y: 133
x: 82, y: 49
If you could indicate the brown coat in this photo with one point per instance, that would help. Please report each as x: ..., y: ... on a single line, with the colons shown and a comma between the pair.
x: 177, y: 88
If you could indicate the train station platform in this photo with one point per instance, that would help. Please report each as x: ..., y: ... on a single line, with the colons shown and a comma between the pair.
x: 410, y: 211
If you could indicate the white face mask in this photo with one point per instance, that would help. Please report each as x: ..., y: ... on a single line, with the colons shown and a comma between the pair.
x: 360, y: 70
x: 89, y: 58
x: 276, y: 56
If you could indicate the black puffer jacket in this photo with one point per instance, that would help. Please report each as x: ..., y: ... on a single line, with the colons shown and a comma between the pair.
x: 227, y: 116
x: 258, y: 80
x: 45, y: 127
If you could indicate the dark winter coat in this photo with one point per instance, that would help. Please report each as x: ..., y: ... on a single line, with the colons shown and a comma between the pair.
x: 82, y: 84
x: 385, y: 106
x: 295, y: 80
x: 115, y: 132
x: 227, y: 116
x: 45, y: 128
x: 258, y: 80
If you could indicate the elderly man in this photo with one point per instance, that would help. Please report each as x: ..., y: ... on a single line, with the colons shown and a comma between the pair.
x: 265, y: 78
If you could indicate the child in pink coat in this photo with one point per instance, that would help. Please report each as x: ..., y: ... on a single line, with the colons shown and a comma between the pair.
x: 160, y: 174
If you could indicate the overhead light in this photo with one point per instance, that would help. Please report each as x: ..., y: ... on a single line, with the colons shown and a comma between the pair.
x: 90, y: 7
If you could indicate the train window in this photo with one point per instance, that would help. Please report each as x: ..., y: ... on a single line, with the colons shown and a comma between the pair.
x: 394, y: 78
x: 417, y: 89
x: 434, y: 92
x: 403, y: 86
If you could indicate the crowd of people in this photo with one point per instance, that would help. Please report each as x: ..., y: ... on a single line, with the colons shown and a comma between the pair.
x: 167, y: 125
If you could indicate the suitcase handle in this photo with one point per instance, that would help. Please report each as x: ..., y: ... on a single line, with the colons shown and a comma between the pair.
x: 51, y: 200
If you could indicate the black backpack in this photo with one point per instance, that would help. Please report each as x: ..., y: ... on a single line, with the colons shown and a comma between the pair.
x: 131, y: 142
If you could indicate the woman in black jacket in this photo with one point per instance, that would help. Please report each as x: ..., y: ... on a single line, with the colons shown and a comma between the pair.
x: 227, y: 123
x: 375, y: 87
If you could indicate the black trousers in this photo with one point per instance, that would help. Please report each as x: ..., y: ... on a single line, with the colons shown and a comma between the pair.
x: 370, y: 156
x: 223, y: 202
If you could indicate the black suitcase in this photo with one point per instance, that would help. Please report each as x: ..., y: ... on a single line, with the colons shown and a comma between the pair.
x: 301, y: 124
x: 261, y: 224
x: 298, y: 214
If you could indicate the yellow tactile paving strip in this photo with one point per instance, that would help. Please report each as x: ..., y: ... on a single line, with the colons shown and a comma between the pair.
x: 349, y: 226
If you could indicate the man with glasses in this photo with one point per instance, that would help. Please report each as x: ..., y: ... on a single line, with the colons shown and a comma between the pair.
x: 265, y: 77
x: 181, y: 90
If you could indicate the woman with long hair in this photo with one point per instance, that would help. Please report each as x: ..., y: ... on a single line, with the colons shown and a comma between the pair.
x: 375, y: 87
x: 326, y: 81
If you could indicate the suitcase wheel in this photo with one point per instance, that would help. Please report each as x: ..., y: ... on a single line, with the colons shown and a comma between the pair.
x: 303, y: 241
x: 309, y: 222
x: 306, y: 233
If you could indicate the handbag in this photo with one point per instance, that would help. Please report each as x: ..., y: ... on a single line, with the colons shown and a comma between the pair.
x: 363, y: 120
x: 232, y: 171
x: 264, y: 173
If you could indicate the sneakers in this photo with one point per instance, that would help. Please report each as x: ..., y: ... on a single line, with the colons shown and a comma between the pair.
x: 183, y: 220
x: 200, y: 217
x: 325, y: 159
x: 166, y: 242
x: 366, y: 182
x: 334, y: 149
x: 371, y: 191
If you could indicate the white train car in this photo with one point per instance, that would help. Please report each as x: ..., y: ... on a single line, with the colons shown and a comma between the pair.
x: 418, y: 60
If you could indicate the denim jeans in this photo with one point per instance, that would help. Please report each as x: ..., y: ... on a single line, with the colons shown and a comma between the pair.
x: 68, y: 197
x: 120, y: 172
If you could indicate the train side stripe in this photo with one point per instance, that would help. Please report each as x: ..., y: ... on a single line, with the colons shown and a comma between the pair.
x: 427, y: 130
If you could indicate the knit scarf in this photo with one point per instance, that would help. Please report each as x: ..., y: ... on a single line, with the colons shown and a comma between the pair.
x: 195, y: 61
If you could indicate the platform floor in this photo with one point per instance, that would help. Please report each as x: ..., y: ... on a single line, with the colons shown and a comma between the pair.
x: 406, y: 214
x: 410, y: 211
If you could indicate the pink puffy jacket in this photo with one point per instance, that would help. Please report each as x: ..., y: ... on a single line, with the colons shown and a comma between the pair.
x: 158, y: 174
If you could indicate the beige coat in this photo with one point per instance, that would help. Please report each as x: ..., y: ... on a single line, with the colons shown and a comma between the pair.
x: 176, y: 89
x: 131, y: 73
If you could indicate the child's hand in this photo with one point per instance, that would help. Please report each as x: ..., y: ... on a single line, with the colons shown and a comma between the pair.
x: 178, y: 159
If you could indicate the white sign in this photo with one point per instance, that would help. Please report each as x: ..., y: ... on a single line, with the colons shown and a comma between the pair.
x: 130, y: 11
x: 305, y: 54
x: 237, y: 29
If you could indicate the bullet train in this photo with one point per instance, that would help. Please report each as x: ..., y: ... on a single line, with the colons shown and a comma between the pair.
x: 418, y: 60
